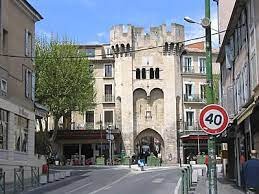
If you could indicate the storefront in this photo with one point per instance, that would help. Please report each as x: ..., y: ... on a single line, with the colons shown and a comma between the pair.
x: 81, y: 147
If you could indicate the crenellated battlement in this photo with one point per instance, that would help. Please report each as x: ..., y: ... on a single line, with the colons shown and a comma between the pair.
x: 124, y: 34
x: 125, y: 37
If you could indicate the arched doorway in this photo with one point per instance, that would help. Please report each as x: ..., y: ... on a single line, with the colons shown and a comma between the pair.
x: 148, y: 141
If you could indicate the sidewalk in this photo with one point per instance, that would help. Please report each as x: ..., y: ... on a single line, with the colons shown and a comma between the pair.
x: 224, y: 186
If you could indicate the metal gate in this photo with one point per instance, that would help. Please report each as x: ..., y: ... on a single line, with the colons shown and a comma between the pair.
x: 2, y: 182
x: 18, y: 179
x: 35, y: 176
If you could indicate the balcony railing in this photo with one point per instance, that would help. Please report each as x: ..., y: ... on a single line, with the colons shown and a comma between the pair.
x: 108, y: 98
x: 192, y: 128
x: 194, y: 98
x: 188, y: 69
x: 89, y: 125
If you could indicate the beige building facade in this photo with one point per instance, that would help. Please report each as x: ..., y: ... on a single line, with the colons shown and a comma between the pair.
x: 17, y: 128
x: 193, y: 75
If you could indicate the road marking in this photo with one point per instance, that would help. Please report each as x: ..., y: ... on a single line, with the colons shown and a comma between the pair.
x: 78, y: 188
x: 158, y: 180
x: 108, y: 188
x: 176, y: 190
x: 109, y: 185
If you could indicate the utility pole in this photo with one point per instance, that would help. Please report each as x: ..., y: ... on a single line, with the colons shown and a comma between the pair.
x: 210, y: 100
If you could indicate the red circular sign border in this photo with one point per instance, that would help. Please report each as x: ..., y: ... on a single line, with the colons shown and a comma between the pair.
x: 223, y: 126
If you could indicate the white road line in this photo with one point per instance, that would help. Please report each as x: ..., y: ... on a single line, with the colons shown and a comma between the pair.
x: 78, y: 188
x: 158, y: 180
x: 176, y: 190
x: 109, y: 185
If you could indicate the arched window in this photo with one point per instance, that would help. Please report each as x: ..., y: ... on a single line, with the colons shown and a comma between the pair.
x: 166, y: 48
x: 117, y: 50
x: 137, y: 73
x: 151, y: 73
x: 143, y: 73
x: 157, y: 73
x: 128, y: 50
x: 171, y: 47
x: 122, y: 50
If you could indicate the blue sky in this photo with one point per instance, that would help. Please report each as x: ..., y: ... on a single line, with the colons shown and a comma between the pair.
x: 89, y: 21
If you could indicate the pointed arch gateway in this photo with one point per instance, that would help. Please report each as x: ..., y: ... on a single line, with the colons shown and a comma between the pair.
x: 149, y: 140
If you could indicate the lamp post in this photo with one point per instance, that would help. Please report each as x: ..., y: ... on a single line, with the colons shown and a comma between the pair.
x: 206, y: 23
x: 110, y: 143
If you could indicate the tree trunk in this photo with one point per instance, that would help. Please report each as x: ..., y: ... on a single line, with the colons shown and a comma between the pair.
x: 55, y: 131
x: 67, y: 120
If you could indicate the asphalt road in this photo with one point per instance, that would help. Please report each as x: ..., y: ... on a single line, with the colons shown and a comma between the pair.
x: 115, y: 181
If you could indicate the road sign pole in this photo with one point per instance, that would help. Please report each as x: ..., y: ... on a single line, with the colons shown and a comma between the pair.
x: 110, y: 144
x: 210, y: 100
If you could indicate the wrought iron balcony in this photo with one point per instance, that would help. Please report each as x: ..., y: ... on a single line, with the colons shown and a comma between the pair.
x: 194, y: 98
x: 191, y: 129
x: 108, y: 98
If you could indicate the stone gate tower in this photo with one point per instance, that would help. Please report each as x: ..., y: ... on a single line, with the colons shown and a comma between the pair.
x: 147, y: 84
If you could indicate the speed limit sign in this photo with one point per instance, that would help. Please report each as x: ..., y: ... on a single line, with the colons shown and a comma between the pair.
x: 213, y: 119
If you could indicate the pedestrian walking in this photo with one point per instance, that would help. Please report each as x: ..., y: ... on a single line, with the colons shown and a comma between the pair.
x: 251, y: 173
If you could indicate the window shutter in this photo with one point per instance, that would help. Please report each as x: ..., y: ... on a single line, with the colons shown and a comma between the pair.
x: 27, y: 83
x: 192, y: 89
x: 230, y: 100
x: 231, y: 48
x: 26, y: 44
x: 229, y: 61
x: 33, y: 86
x: 32, y: 47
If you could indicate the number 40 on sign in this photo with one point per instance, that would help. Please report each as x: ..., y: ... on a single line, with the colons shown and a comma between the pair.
x: 213, y: 119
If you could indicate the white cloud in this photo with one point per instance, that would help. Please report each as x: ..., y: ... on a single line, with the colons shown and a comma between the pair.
x: 101, y: 34
x: 93, y: 42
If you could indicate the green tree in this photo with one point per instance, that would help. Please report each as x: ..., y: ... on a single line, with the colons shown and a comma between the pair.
x: 64, y: 80
x: 216, y: 78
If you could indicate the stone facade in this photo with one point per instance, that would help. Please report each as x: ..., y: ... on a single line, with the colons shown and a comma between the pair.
x: 147, y: 101
x: 17, y: 136
x: 238, y: 59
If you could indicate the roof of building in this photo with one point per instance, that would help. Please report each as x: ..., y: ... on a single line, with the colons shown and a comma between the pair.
x: 32, y: 9
x: 238, y: 7
x: 90, y: 45
x: 198, y: 47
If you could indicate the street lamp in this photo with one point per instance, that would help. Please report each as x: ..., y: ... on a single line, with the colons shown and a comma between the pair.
x: 190, y: 20
x: 206, y: 23
x: 110, y: 142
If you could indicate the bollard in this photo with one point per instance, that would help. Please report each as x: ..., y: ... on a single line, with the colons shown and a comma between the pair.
x: 129, y: 163
x: 183, y: 181
x: 188, y: 177
x: 186, y: 181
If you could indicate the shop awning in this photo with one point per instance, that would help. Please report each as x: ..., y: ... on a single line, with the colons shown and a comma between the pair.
x: 246, y: 113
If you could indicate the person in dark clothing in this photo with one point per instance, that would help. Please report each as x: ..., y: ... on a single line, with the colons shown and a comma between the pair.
x: 251, y: 173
